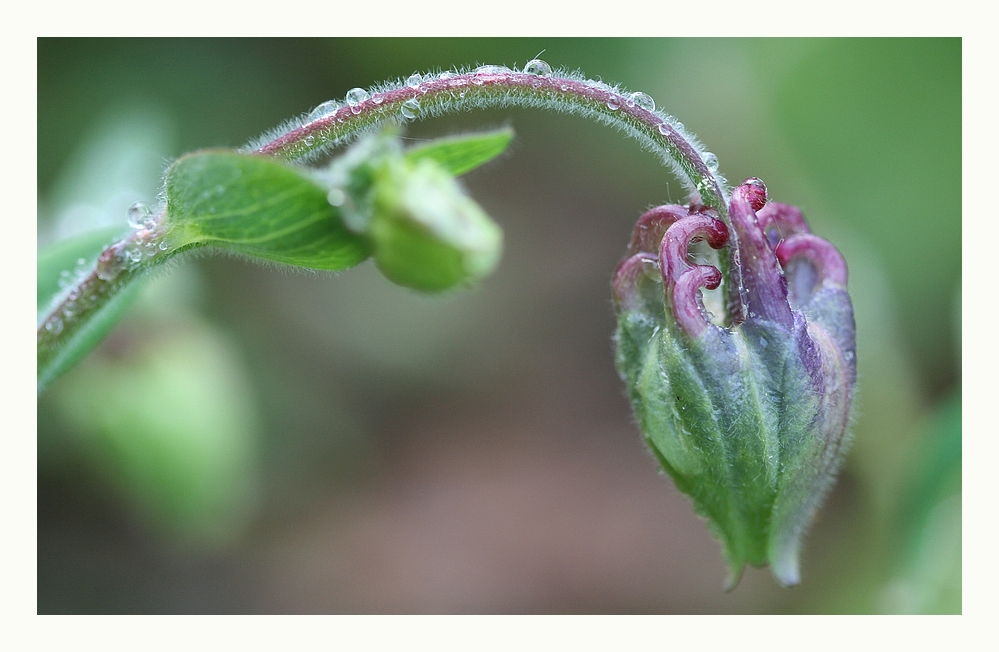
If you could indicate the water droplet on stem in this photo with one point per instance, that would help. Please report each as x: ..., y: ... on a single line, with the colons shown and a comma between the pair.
x: 710, y: 160
x: 355, y: 97
x: 324, y: 109
x: 139, y: 215
x: 410, y: 109
x: 538, y: 67
x: 643, y: 101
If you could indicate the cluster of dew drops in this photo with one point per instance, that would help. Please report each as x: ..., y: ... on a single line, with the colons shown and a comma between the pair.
x: 128, y: 254
x: 411, y: 108
x: 140, y: 245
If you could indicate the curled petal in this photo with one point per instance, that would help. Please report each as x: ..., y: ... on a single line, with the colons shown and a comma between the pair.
x: 780, y: 221
x: 629, y: 273
x: 673, y: 250
x: 764, y: 286
x: 828, y: 262
x: 681, y: 280
x: 688, y: 307
x: 651, y: 228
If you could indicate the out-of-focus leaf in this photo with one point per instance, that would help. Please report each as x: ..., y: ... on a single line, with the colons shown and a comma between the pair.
x: 461, y: 154
x: 259, y: 207
x: 171, y: 428
x: 929, y: 579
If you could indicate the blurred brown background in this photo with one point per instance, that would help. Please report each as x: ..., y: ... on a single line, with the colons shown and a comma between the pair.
x: 253, y: 439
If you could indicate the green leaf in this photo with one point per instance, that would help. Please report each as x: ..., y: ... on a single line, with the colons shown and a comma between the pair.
x: 461, y: 154
x: 259, y: 207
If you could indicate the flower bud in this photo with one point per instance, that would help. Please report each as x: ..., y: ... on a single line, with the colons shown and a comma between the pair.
x: 750, y: 420
x: 424, y: 232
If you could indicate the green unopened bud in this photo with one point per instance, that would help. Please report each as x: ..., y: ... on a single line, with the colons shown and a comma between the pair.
x: 426, y: 233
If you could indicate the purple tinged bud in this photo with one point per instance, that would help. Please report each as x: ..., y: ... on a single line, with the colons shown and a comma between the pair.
x: 751, y: 419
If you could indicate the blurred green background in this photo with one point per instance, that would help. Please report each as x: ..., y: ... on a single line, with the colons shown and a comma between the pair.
x: 251, y: 439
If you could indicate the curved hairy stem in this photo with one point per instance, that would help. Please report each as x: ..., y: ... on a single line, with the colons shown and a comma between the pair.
x: 419, y: 96
x: 496, y: 87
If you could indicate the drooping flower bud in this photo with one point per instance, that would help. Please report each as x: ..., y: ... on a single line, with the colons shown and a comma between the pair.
x: 749, y: 419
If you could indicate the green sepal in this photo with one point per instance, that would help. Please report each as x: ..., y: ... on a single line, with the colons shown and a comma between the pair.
x: 736, y: 420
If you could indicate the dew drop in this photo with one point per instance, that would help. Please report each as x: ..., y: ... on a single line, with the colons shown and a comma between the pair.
x: 410, y: 108
x: 377, y: 99
x: 309, y: 141
x: 491, y: 70
x: 613, y: 105
x: 355, y: 97
x: 324, y: 109
x: 54, y: 326
x: 663, y: 129
x: 414, y: 80
x: 538, y: 67
x: 135, y: 255
x: 138, y: 215
x: 80, y: 262
x: 710, y: 160
x: 336, y: 197
x: 164, y: 246
x: 643, y: 101
x: 444, y: 76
